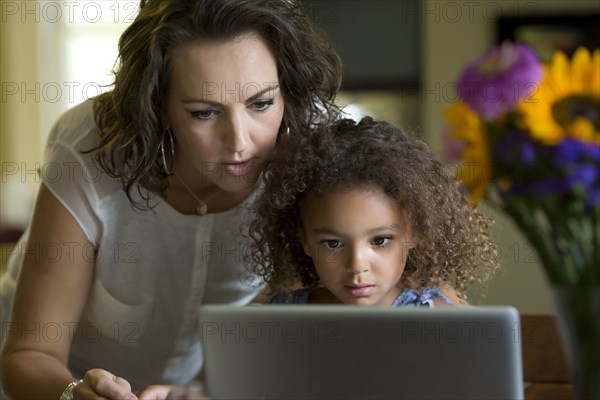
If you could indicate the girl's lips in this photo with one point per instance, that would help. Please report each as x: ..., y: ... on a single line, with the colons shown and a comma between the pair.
x: 239, y: 168
x: 360, y: 290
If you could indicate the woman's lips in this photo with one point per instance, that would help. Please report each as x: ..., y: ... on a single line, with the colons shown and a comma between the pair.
x: 360, y: 290
x: 240, y: 168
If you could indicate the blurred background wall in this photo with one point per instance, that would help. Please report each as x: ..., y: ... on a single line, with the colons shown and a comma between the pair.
x: 54, y: 54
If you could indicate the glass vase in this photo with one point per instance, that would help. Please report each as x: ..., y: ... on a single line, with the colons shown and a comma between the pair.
x: 578, y: 317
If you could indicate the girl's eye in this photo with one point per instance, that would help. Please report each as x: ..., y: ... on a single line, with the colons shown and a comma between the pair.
x: 204, y: 114
x: 262, y: 105
x: 382, y: 241
x: 332, y: 244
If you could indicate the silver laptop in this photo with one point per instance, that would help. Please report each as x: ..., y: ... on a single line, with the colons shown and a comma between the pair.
x: 353, y: 352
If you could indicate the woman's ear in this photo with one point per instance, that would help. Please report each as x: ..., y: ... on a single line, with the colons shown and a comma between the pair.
x: 164, y: 120
x: 302, y: 239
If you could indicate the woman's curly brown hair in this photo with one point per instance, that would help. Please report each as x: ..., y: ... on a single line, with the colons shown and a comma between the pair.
x: 129, y: 117
x: 453, y: 246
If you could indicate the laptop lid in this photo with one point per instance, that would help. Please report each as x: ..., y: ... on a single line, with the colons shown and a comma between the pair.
x: 344, y: 352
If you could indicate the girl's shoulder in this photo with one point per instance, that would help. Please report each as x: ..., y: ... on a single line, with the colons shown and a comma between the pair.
x: 430, y: 297
x: 299, y: 296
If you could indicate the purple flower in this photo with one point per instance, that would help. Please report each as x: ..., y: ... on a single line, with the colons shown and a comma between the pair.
x: 452, y: 148
x: 494, y: 83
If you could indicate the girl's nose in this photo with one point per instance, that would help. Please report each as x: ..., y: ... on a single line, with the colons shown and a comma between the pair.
x: 358, y: 262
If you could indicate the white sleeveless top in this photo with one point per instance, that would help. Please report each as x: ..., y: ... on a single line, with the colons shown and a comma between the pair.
x: 153, y: 268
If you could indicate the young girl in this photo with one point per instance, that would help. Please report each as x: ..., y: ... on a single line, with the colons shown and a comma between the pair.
x: 362, y: 213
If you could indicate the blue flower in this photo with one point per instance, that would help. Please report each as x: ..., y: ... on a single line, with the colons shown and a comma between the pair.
x: 593, y: 198
x: 552, y: 185
x: 515, y: 145
x: 571, y: 150
x: 585, y: 175
x: 528, y: 152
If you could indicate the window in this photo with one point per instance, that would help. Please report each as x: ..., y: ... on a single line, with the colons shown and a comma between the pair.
x: 53, y: 55
x: 90, y: 39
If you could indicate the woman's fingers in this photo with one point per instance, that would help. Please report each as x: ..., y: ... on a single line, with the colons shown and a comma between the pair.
x: 193, y: 392
x: 101, y: 384
x: 163, y: 392
x: 155, y: 392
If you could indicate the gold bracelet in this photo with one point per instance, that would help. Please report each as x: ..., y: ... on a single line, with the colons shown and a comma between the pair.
x: 68, y: 393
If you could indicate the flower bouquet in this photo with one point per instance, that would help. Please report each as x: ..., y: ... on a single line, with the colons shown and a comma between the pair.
x: 527, y: 137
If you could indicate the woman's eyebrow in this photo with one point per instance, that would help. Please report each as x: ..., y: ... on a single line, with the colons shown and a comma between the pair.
x: 255, y: 96
x: 262, y: 92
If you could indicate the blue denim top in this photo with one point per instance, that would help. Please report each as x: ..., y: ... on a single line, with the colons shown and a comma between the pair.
x: 406, y: 298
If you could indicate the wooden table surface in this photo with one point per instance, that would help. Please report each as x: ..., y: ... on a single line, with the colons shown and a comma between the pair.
x: 545, y: 368
x: 547, y: 391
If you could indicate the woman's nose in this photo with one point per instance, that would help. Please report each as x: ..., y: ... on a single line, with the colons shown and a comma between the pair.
x: 237, y: 134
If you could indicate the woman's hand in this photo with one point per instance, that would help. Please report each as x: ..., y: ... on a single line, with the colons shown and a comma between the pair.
x: 98, y: 383
x: 165, y: 392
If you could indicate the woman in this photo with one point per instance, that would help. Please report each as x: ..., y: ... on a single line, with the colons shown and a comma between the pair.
x: 154, y: 182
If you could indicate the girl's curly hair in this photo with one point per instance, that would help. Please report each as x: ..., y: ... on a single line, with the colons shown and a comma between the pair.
x: 453, y: 246
x: 129, y: 116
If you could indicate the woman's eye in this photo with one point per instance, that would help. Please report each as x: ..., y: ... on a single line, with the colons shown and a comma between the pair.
x: 332, y: 244
x: 204, y: 114
x: 262, y: 105
x: 381, y: 241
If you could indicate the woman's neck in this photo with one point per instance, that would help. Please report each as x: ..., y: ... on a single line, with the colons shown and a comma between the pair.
x: 178, y: 196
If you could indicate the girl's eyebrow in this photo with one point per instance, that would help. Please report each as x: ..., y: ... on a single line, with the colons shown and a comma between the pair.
x: 248, y: 100
x: 392, y: 227
x: 384, y: 228
x: 324, y: 231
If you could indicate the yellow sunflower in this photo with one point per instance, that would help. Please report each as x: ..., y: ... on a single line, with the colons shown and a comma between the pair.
x: 567, y: 101
x: 466, y: 126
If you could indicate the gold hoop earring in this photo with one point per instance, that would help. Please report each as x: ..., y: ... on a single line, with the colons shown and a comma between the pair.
x: 169, y: 134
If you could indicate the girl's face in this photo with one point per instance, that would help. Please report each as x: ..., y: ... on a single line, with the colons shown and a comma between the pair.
x: 224, y: 108
x: 359, y: 241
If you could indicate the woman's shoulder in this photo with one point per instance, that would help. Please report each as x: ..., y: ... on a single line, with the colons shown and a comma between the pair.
x: 75, y: 127
x: 78, y: 114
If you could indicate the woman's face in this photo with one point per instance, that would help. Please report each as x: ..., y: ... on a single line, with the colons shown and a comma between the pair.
x: 224, y: 109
